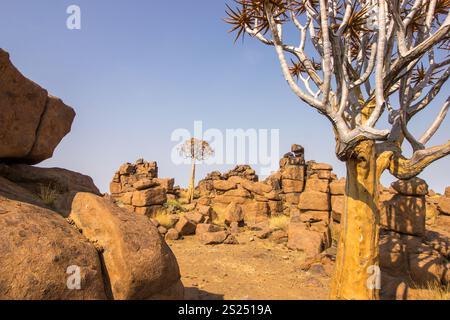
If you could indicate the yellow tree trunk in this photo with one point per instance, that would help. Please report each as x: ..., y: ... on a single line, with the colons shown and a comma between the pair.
x: 357, y: 269
x: 192, y: 182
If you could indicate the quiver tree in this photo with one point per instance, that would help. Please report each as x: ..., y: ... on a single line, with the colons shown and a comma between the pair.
x: 369, y: 67
x: 196, y: 150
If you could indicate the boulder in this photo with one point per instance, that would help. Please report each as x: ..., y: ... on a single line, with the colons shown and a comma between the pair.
x: 224, y: 185
x: 411, y: 187
x: 166, y: 184
x: 185, y: 227
x: 337, y: 207
x: 149, y: 197
x: 447, y: 192
x: 209, y: 238
x: 255, y: 212
x: 313, y: 200
x: 32, y: 123
x: 233, y: 213
x: 172, y: 234
x: 444, y: 205
x: 313, y: 166
x: 139, y: 185
x: 275, y: 208
x: 426, y: 268
x: 195, y: 217
x: 207, y: 227
x: 139, y: 264
x: 337, y: 187
x: 61, y: 180
x: 293, y: 173
x: 319, y: 185
x: 404, y: 214
x: 258, y: 188
x: 292, y: 198
x: 292, y: 186
x: 40, y: 251
x: 302, y: 239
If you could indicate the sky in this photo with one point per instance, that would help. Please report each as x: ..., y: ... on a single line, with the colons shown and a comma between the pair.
x: 138, y: 71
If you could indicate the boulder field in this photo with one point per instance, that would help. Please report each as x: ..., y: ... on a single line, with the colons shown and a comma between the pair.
x: 60, y: 238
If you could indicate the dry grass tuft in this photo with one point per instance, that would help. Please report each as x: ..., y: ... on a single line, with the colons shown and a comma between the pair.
x: 432, y: 291
x: 279, y: 222
x: 48, y: 194
x: 163, y: 218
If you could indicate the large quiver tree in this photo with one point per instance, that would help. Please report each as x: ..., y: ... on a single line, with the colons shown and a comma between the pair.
x: 363, y: 65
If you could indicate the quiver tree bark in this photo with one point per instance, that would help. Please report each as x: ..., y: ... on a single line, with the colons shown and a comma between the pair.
x: 355, y: 62
x: 196, y: 150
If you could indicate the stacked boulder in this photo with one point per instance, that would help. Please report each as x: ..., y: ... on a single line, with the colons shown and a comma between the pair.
x: 410, y: 256
x: 309, y: 230
x: 239, y: 188
x: 137, y: 188
x: 55, y: 226
x: 298, y: 190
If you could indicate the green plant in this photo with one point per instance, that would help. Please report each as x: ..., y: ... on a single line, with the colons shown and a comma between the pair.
x: 48, y: 194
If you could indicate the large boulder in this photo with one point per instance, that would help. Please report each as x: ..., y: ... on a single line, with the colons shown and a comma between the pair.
x: 40, y: 252
x: 314, y: 200
x: 32, y: 123
x: 404, y: 214
x: 139, y: 264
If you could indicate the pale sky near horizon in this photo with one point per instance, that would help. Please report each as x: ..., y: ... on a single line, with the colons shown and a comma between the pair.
x: 138, y: 70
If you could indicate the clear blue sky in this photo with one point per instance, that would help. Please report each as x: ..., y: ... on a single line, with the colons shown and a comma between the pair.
x: 140, y: 69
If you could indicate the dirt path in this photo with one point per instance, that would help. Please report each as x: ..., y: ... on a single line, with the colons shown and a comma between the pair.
x: 258, y: 269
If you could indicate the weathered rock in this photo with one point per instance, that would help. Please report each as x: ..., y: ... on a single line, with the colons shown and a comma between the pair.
x: 233, y: 213
x: 292, y: 198
x: 447, y: 192
x: 292, y: 186
x: 319, y: 185
x: 162, y: 230
x: 185, y: 227
x: 337, y: 187
x: 319, y: 166
x: 172, y: 234
x: 411, y: 187
x: 426, y: 268
x: 35, y: 241
x: 224, y: 185
x: 149, y: 197
x: 258, y: 188
x: 337, y: 207
x: 404, y: 214
x: 143, y: 184
x: 61, y: 180
x: 166, y: 184
x: 32, y: 123
x: 195, y: 217
x: 313, y: 200
x: 275, y: 208
x: 209, y: 238
x: 207, y: 227
x: 138, y: 262
x: 444, y: 205
x: 255, y: 212
x: 293, y: 173
x: 302, y: 239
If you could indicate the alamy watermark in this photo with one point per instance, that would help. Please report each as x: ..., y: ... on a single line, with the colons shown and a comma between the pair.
x: 233, y: 146
x: 74, y: 278
x: 73, y: 21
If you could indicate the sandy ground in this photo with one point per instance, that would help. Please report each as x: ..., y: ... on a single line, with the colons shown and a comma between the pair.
x: 254, y: 269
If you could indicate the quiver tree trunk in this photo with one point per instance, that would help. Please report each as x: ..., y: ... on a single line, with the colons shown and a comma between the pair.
x: 192, y: 182
x: 357, y: 270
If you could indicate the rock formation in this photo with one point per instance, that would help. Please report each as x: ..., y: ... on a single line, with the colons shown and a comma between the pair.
x: 137, y: 188
x: 32, y: 123
x: 60, y: 239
